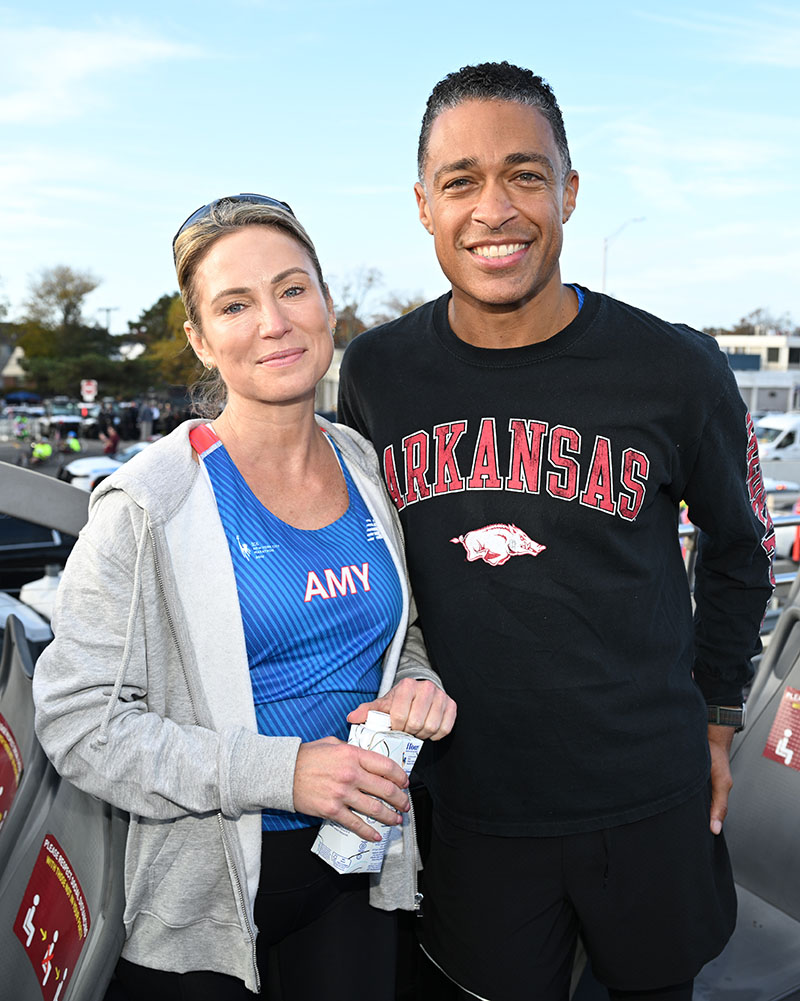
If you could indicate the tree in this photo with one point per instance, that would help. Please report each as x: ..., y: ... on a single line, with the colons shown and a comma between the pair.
x: 59, y: 349
x: 354, y: 311
x: 154, y: 322
x: 55, y: 298
x: 758, y: 322
x: 167, y: 350
x: 396, y: 304
x: 352, y: 317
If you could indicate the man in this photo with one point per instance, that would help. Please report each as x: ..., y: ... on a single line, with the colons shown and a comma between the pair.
x: 537, y: 439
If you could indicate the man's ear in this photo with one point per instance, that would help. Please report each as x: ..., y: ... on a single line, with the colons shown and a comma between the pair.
x: 570, y: 196
x: 422, y: 205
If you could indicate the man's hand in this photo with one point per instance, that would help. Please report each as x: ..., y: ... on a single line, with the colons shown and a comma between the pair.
x: 719, y: 742
x: 332, y: 779
x: 418, y: 707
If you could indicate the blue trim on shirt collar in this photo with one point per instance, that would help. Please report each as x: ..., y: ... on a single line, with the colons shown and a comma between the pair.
x: 579, y: 294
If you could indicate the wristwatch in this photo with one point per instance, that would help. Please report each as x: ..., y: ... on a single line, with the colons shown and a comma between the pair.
x: 727, y: 716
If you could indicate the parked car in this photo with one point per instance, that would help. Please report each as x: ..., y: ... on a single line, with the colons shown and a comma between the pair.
x: 778, y: 437
x: 87, y: 472
x: 23, y: 410
x: 62, y: 418
x: 26, y: 549
x: 39, y: 523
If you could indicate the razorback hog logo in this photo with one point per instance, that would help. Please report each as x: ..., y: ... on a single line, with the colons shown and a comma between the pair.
x: 496, y: 544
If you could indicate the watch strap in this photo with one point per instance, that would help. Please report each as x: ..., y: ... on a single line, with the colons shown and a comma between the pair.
x: 726, y: 716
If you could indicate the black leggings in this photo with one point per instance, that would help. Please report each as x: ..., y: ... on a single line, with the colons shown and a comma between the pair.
x: 318, y: 938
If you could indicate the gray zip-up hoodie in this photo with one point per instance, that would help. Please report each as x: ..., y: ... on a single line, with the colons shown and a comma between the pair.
x: 144, y: 700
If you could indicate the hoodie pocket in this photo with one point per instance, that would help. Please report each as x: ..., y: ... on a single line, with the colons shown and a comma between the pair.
x: 177, y: 871
x: 188, y: 878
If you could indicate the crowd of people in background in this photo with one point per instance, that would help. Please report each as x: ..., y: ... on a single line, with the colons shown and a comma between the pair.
x: 138, y: 421
x: 116, y: 423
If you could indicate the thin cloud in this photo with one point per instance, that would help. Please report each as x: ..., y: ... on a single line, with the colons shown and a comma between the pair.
x: 46, y: 71
x: 705, y: 157
x: 773, y: 40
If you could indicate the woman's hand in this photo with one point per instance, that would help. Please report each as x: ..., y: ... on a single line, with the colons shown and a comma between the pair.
x: 331, y: 779
x: 418, y: 707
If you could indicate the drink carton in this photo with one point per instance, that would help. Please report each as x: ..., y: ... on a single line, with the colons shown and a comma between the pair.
x: 344, y: 850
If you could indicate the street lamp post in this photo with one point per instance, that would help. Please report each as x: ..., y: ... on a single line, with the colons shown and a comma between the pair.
x: 108, y: 310
x: 607, y: 241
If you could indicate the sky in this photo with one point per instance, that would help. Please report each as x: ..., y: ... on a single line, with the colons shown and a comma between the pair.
x: 118, y: 120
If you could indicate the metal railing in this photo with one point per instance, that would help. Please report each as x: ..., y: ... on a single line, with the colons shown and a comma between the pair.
x: 785, y: 569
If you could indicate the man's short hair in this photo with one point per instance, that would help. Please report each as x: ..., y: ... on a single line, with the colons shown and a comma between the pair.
x: 493, y: 82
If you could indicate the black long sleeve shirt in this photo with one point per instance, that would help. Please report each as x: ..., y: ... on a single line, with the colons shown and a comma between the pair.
x: 539, y: 490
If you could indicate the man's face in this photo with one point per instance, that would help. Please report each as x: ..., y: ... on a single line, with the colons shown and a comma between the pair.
x: 495, y: 201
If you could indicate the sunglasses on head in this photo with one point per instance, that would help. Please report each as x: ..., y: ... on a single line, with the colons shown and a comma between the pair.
x: 249, y: 197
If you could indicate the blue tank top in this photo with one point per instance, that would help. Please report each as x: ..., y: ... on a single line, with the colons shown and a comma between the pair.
x: 319, y: 608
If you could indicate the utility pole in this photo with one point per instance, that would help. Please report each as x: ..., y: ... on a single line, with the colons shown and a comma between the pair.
x: 108, y: 310
x: 607, y: 240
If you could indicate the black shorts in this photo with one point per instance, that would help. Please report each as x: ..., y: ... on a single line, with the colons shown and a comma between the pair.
x: 653, y: 902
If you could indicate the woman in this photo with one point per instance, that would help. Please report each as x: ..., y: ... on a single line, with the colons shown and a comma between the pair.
x: 259, y: 566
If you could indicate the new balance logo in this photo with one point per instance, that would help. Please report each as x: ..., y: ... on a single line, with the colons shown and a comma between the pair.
x: 337, y: 585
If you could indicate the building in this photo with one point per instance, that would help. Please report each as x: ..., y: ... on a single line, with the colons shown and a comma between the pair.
x: 767, y: 369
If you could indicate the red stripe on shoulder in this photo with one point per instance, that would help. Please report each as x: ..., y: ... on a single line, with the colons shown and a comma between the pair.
x: 202, y: 438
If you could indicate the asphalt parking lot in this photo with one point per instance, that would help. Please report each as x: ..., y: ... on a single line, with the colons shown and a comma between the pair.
x: 13, y: 451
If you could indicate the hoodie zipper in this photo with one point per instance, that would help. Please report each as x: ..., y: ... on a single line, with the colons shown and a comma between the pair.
x: 223, y: 833
x: 418, y: 896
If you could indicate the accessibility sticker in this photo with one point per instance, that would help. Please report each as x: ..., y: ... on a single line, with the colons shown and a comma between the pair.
x: 10, y: 769
x: 53, y: 919
x: 783, y: 744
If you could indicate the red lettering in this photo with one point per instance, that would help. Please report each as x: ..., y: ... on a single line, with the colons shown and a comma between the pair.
x: 599, y: 489
x: 390, y: 475
x: 565, y: 444
x: 415, y: 447
x: 758, y: 495
x: 484, y: 465
x: 635, y: 469
x: 525, y: 467
x: 448, y: 477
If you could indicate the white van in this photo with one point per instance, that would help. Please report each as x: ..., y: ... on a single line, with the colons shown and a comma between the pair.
x: 778, y: 437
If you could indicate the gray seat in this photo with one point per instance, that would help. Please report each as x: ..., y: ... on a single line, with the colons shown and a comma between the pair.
x: 65, y: 874
x: 90, y: 835
x: 762, y: 960
x: 37, y: 779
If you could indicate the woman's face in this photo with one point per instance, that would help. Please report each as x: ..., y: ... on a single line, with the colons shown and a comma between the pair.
x: 266, y: 321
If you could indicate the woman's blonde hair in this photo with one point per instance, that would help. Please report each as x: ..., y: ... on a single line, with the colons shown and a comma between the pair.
x: 209, y: 394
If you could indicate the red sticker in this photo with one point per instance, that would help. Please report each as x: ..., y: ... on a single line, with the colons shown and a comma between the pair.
x: 10, y: 769
x: 783, y: 744
x: 53, y: 919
